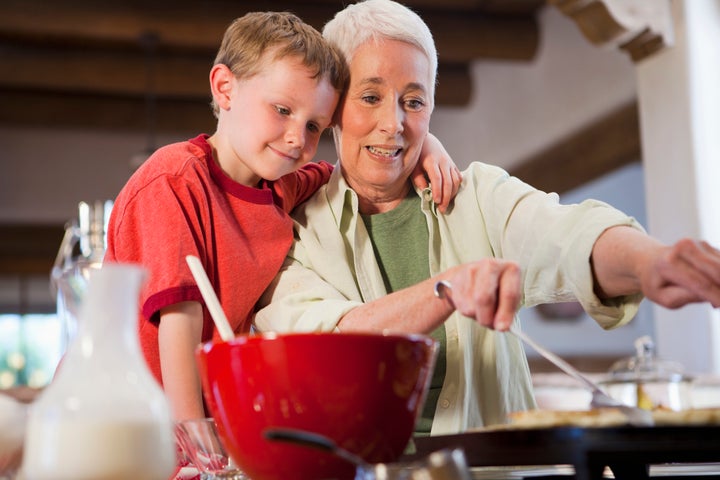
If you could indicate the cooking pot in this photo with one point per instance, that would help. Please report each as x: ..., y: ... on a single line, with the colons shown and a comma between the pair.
x: 648, y: 382
x: 362, y: 391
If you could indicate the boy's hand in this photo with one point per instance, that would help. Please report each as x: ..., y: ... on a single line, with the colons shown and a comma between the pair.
x: 436, y: 166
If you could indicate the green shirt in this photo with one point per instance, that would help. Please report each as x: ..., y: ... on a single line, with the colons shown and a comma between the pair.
x: 400, y: 241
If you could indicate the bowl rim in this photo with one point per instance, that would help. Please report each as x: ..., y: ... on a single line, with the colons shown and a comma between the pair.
x: 279, y: 336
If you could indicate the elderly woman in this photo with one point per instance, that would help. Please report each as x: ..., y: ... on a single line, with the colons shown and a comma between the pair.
x: 374, y: 254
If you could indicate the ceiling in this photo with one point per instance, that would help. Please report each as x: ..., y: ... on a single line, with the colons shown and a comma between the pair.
x: 139, y: 65
x: 95, y: 64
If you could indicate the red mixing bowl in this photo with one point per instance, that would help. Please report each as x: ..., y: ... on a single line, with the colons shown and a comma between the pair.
x: 363, y: 391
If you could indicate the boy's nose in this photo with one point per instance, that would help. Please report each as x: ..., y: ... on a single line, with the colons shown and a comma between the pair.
x: 295, y: 136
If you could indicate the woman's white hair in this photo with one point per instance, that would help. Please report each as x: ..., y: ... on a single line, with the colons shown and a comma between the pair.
x: 377, y: 20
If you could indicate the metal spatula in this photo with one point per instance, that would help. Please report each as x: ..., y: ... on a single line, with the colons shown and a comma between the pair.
x: 636, y: 416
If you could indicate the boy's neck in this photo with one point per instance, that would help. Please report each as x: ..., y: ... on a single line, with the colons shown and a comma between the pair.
x: 222, y: 155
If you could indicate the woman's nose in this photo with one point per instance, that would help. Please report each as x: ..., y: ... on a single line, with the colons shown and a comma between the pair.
x: 392, y: 118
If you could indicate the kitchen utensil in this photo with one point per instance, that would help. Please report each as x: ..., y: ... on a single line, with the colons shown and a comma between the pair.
x: 635, y: 416
x: 211, y: 300
x: 362, y: 391
x: 316, y: 441
x: 103, y: 415
x: 647, y: 382
x: 442, y: 465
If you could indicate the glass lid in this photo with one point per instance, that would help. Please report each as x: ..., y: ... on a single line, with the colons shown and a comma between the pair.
x: 645, y: 366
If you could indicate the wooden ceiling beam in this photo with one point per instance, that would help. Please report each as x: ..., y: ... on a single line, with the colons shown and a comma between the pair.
x: 71, y: 70
x: 638, y: 27
x: 97, y: 72
x: 460, y: 36
x: 82, y: 49
x: 84, y: 64
x: 608, y: 144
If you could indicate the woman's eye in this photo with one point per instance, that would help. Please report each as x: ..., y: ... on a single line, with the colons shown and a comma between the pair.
x: 282, y: 110
x: 415, y: 104
x: 371, y: 99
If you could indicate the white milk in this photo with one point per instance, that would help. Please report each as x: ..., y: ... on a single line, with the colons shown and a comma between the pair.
x: 82, y: 449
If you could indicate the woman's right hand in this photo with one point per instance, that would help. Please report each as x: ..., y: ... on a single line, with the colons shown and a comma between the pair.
x: 488, y: 290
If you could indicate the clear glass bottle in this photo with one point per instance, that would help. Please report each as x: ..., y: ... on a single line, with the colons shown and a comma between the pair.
x: 103, y: 417
x: 81, y: 252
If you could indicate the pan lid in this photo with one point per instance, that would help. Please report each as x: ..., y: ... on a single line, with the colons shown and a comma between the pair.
x: 645, y: 366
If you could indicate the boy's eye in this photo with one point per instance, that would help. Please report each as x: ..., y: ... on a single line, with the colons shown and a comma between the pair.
x: 282, y: 110
x: 313, y: 127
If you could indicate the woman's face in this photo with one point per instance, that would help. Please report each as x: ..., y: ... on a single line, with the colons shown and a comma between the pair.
x: 384, y: 118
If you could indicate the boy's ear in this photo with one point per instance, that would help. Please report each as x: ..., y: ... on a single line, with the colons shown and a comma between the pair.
x: 221, y: 84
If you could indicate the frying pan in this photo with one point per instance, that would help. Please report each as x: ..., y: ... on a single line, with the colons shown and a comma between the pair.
x: 628, y: 451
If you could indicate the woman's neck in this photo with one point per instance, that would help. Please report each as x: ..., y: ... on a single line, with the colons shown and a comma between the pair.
x: 381, y: 201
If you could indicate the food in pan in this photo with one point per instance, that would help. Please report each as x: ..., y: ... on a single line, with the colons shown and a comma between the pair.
x: 606, y: 417
x: 599, y: 417
x: 692, y: 416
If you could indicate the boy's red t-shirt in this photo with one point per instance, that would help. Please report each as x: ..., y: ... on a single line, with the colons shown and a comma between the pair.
x: 179, y: 203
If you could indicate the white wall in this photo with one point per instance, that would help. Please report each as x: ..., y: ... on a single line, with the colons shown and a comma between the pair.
x: 519, y: 107
x: 680, y: 115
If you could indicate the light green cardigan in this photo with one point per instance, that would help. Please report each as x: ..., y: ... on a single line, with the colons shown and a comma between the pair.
x: 331, y: 269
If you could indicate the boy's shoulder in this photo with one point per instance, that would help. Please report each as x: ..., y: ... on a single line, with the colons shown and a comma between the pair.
x: 172, y: 156
x: 296, y: 187
x: 170, y: 160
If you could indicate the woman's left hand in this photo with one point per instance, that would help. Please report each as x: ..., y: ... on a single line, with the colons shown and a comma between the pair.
x: 436, y: 166
x: 686, y: 272
x: 626, y: 261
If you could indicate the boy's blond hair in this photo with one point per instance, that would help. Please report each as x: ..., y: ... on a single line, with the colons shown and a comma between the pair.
x: 249, y: 38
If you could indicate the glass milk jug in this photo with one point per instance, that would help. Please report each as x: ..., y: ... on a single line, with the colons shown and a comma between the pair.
x: 103, y: 417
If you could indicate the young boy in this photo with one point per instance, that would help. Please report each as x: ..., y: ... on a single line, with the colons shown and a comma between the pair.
x: 225, y: 198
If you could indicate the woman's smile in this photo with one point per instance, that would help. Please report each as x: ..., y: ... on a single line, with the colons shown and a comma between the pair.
x: 384, y: 151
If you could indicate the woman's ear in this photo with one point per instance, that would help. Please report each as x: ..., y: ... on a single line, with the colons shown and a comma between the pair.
x: 221, y: 85
x: 338, y: 111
